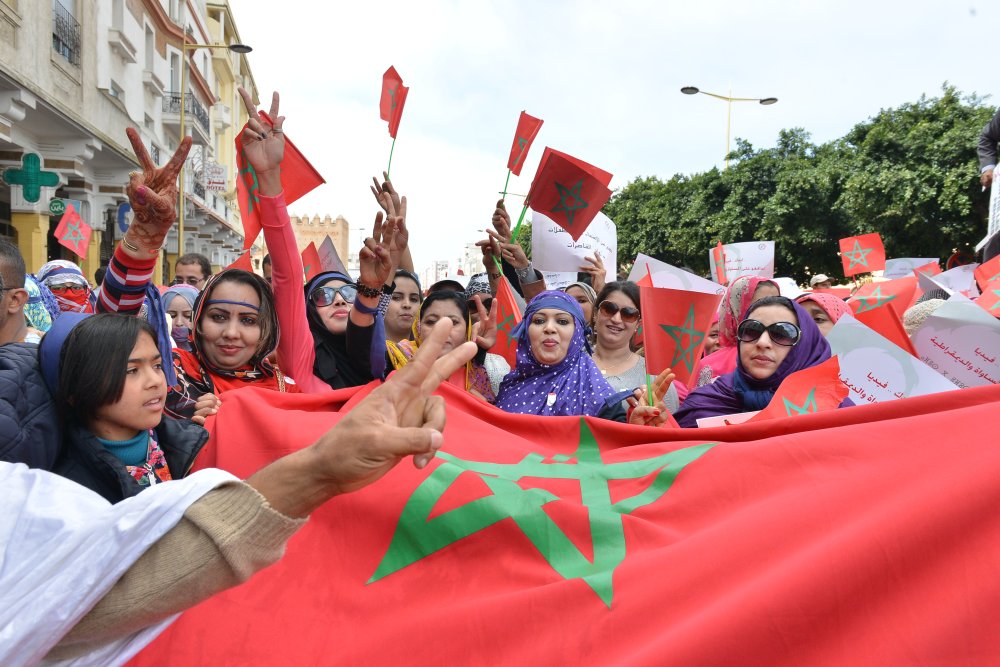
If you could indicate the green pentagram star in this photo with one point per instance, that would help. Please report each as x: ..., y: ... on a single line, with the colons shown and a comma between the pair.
x: 808, y: 405
x: 418, y: 536
x: 507, y: 325
x: 74, y: 234
x: 521, y: 142
x: 873, y: 300
x: 570, y: 207
x: 858, y: 255
x: 685, y: 353
x: 996, y: 293
x: 249, y: 176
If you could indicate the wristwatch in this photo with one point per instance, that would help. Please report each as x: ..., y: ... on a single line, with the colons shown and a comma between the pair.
x: 365, y: 290
x: 525, y: 275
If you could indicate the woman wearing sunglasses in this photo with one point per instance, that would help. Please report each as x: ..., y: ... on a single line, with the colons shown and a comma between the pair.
x: 777, y: 338
x: 69, y: 286
x: 616, y: 320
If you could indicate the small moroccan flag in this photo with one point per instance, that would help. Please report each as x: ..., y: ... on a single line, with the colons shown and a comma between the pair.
x: 804, y: 392
x: 297, y: 178
x: 390, y: 105
x: 987, y: 272
x: 311, y: 266
x: 73, y: 232
x: 242, y: 262
x: 990, y: 298
x: 508, y: 317
x: 527, y: 128
x: 930, y: 268
x: 862, y: 254
x: 898, y: 293
x: 718, y: 261
x: 569, y: 191
x: 675, y: 323
x: 885, y: 320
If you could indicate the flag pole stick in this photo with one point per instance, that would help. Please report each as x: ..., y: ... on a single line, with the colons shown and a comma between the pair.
x: 506, y: 183
x: 388, y: 170
x: 649, y: 389
x: 517, y: 227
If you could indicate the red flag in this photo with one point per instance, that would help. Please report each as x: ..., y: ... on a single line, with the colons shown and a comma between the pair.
x: 862, y: 254
x: 297, y: 178
x: 931, y: 269
x: 850, y: 536
x: 527, y: 128
x: 990, y: 298
x: 569, y: 191
x: 807, y: 391
x: 390, y: 105
x: 73, y: 233
x: 886, y: 321
x: 987, y: 272
x: 839, y: 292
x: 638, y: 339
x: 242, y: 262
x: 898, y: 293
x: 718, y: 261
x: 311, y: 266
x: 676, y: 322
x: 508, y: 317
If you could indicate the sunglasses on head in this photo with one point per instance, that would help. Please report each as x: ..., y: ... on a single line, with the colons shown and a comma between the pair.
x: 780, y: 333
x: 629, y: 314
x: 324, y: 296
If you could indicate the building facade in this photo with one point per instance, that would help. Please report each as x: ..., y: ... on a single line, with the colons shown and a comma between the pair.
x: 74, y: 74
x: 315, y: 230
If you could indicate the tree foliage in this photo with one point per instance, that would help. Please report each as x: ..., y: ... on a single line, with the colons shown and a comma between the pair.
x: 909, y: 173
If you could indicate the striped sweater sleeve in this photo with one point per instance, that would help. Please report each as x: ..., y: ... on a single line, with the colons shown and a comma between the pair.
x: 124, y: 286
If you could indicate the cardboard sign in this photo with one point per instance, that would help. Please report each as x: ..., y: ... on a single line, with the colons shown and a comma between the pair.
x: 961, y: 341
x: 877, y: 370
x: 553, y: 249
x: 901, y: 267
x: 751, y: 258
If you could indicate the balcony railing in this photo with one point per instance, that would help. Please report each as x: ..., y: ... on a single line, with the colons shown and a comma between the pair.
x: 65, y: 33
x: 192, y: 107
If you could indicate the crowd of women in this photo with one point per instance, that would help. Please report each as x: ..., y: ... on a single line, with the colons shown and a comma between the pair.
x: 135, y: 373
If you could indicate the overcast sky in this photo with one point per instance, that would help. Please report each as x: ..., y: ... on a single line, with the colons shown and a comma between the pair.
x: 604, y: 76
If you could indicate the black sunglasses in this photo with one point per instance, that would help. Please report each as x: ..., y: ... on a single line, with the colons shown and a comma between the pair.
x: 324, y: 296
x: 629, y: 314
x: 780, y: 333
x: 487, y: 304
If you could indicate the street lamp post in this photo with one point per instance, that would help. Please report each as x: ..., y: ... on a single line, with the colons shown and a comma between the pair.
x: 729, y: 99
x: 235, y: 48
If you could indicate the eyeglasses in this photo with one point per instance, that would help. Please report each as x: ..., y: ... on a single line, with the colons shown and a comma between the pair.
x: 68, y: 287
x: 629, y: 314
x: 780, y: 333
x: 190, y: 280
x: 324, y: 296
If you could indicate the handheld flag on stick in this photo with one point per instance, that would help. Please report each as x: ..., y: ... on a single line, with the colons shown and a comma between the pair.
x: 718, y: 261
x: 862, y: 254
x: 897, y: 293
x: 807, y: 391
x: 73, y: 233
x: 298, y: 177
x: 508, y: 317
x: 567, y: 190
x: 390, y: 105
x: 675, y: 322
x: 884, y: 320
x: 310, y: 262
x: 524, y: 135
x: 242, y: 262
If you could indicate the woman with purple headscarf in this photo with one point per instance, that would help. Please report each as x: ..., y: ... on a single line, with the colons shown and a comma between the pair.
x: 555, y: 376
x: 777, y: 338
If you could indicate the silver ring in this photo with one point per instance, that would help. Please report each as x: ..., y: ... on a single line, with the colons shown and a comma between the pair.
x: 277, y: 130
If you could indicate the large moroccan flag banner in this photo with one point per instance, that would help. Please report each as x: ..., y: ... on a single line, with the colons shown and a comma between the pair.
x: 862, y: 254
x: 896, y: 293
x: 675, y: 323
x: 863, y: 535
x: 508, y: 317
x: 73, y: 233
x: 569, y: 191
x: 298, y: 177
x: 806, y: 392
x: 527, y: 129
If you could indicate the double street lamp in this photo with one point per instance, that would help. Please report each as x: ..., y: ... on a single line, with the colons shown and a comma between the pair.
x: 729, y: 99
x: 235, y: 48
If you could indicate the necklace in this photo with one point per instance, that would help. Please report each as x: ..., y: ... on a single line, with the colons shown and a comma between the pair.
x: 617, y: 368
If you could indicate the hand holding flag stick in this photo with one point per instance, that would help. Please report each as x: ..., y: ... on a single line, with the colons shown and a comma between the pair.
x: 394, y: 206
x: 152, y: 193
x: 400, y: 418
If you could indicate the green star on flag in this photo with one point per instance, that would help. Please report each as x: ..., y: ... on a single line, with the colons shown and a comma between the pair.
x: 862, y: 254
x: 858, y: 255
x: 569, y: 207
x: 507, y: 325
x: 418, y: 535
x: 685, y: 352
x: 569, y: 191
x: 809, y: 405
x: 873, y: 300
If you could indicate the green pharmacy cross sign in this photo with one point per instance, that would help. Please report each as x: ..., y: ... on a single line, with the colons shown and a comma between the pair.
x: 418, y: 536
x: 30, y: 177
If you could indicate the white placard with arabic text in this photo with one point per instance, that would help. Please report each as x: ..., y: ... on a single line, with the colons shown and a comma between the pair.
x: 553, y: 249
x: 875, y: 369
x: 901, y: 267
x: 961, y: 341
x: 750, y: 258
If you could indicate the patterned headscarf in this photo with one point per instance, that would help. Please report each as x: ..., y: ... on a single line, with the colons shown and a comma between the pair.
x: 60, y: 271
x: 181, y: 335
x: 41, y: 307
x: 739, y: 296
x: 478, y: 284
x: 574, y: 386
x: 834, y: 307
